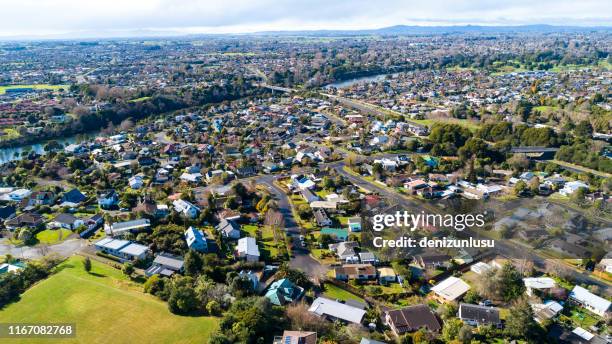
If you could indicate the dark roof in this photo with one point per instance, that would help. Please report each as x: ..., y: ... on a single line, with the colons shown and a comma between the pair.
x: 413, y: 318
x: 480, y: 314
x: 7, y: 211
x: 74, y: 196
x: 65, y: 218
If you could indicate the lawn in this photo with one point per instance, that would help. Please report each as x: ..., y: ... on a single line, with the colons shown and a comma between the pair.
x: 333, y: 292
x: 582, y: 318
x: 138, y: 100
x: 9, y: 133
x: 106, y: 308
x: 52, y: 236
x: 269, y: 248
x: 36, y: 87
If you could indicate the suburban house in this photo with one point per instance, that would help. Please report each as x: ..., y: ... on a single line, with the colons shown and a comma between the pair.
x: 296, y: 337
x: 367, y: 257
x: 247, y: 249
x: 122, y: 249
x: 41, y: 198
x: 136, y: 182
x: 165, y: 264
x: 590, y: 301
x: 354, y: 224
x: 73, y: 198
x: 196, y: 240
x: 545, y: 311
x: 411, y: 319
x: 228, y: 229
x: 571, y: 187
x: 346, y: 251
x: 66, y: 221
x: 450, y: 289
x: 338, y: 234
x: 542, y: 284
x: 360, y: 272
x: 107, y: 199
x: 386, y: 275
x: 186, y: 209
x: 476, y: 315
x: 122, y: 228
x: 480, y: 268
x: 334, y: 310
x: 283, y: 292
x: 30, y: 220
x: 432, y: 261
x: 321, y: 217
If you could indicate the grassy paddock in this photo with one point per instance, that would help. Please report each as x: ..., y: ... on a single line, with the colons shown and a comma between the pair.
x: 106, y: 308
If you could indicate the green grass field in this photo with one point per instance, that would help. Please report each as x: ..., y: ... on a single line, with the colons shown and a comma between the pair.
x: 36, y: 87
x: 106, y: 308
x: 9, y: 133
x: 52, y: 236
x: 333, y: 292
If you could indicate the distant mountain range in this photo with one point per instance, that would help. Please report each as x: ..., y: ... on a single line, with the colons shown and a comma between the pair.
x: 397, y: 30
x: 427, y: 30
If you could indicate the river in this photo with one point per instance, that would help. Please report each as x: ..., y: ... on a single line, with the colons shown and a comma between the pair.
x: 14, y: 153
x: 359, y: 80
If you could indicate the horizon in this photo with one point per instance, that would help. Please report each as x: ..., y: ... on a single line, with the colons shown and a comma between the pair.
x: 71, y: 19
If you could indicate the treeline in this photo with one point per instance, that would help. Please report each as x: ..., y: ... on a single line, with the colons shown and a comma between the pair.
x: 583, y: 154
x: 14, y: 284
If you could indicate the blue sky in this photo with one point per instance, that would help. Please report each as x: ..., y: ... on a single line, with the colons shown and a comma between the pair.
x: 127, y: 17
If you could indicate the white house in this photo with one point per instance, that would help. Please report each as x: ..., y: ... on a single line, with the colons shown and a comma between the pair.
x: 191, y: 177
x: 571, y: 187
x: 66, y: 221
x: 186, y: 208
x: 136, y: 182
x: 590, y: 301
x: 334, y: 310
x: 450, y: 289
x: 247, y: 249
x: 538, y: 283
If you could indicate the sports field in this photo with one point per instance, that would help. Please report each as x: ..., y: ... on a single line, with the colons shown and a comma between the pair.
x: 106, y: 308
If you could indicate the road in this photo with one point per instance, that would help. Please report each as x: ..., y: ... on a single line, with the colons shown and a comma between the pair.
x: 301, y: 258
x: 502, y: 247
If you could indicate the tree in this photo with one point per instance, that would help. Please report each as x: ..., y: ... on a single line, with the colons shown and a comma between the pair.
x: 87, y: 264
x: 451, y: 329
x: 154, y: 285
x: 128, y: 269
x: 520, y: 322
x: 520, y: 187
x: 192, y: 263
x: 465, y: 334
x: 213, y: 307
x: 241, y: 286
x: 182, y: 298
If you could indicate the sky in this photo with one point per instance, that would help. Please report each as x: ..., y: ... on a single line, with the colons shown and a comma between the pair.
x: 90, y: 18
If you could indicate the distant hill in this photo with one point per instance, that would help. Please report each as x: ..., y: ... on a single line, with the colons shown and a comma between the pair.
x: 399, y: 30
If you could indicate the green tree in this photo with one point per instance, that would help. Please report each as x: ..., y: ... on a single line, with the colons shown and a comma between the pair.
x: 128, y: 269
x: 520, y: 322
x: 193, y: 263
x: 451, y: 329
x: 87, y: 264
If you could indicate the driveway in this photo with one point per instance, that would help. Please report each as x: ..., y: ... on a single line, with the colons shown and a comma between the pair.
x: 64, y: 249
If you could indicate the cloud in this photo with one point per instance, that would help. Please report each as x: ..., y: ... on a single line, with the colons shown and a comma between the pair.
x: 39, y: 17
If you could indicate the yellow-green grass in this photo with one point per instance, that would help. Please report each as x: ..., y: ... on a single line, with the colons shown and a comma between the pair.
x: 9, y: 134
x: 266, y: 244
x: 141, y: 99
x: 52, y: 236
x: 106, y: 308
x: 36, y: 87
x: 334, y: 292
x: 471, y: 125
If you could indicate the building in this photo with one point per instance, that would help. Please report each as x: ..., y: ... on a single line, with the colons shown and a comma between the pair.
x: 432, y: 261
x: 247, y: 249
x: 66, y: 221
x: 30, y: 220
x: 122, y: 249
x: 283, y: 292
x: 228, y: 229
x: 475, y: 315
x: 346, y: 251
x: 7, y: 212
x: 196, y: 240
x: 542, y: 284
x: 334, y: 310
x: 411, y: 319
x: 296, y: 337
x: 354, y: 224
x: 123, y: 228
x: 185, y: 208
x: 362, y: 272
x: 590, y: 301
x: 321, y: 217
x: 571, y: 187
x: 165, y: 264
x: 450, y: 289
x: 386, y: 275
x: 480, y: 268
x: 107, y: 199
x: 73, y: 198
